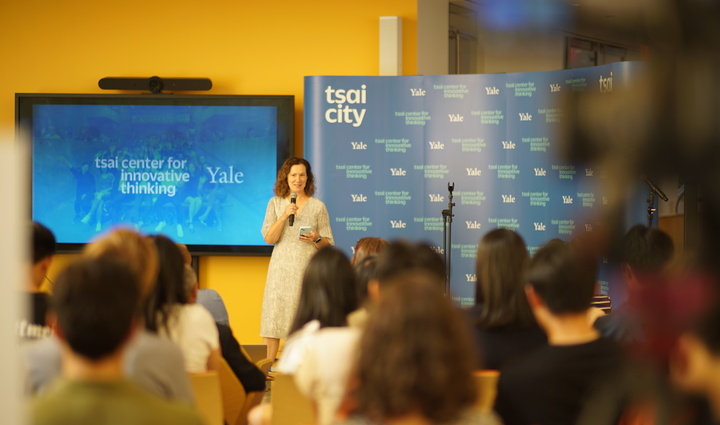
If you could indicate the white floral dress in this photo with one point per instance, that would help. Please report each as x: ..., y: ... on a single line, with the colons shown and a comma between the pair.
x: 287, y: 263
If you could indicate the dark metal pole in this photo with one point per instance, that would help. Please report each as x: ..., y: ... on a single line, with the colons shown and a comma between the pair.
x: 447, y: 236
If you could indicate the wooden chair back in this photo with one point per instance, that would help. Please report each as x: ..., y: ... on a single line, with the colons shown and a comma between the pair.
x: 486, y: 381
x: 254, y: 352
x: 233, y: 394
x: 208, y: 400
x: 254, y: 397
x: 264, y: 365
x: 289, y: 406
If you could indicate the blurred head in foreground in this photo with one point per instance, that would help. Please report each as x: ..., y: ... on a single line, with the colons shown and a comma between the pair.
x: 131, y: 248
x: 415, y: 354
x: 96, y: 302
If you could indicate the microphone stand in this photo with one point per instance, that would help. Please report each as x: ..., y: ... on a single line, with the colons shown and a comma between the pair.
x: 654, y: 190
x: 650, y: 209
x: 447, y: 235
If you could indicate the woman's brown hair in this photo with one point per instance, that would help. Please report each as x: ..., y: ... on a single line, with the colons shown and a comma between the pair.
x: 500, y: 266
x: 281, y: 185
x: 367, y: 246
x: 415, y: 355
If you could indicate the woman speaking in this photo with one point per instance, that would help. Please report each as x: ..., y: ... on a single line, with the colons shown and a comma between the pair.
x: 297, y: 224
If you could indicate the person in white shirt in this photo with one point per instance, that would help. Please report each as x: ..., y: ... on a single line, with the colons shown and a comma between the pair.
x: 172, y: 314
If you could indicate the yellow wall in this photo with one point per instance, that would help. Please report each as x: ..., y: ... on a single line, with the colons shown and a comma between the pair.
x: 245, y: 47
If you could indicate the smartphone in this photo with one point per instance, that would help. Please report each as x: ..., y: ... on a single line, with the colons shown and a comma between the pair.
x: 304, y: 230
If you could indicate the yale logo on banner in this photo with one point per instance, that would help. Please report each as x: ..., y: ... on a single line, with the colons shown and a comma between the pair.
x: 525, y: 116
x: 554, y: 88
x: 474, y: 171
x: 476, y: 225
x: 358, y: 197
x: 471, y: 277
x: 492, y: 91
x: 398, y: 172
x: 540, y: 227
x: 589, y: 172
x: 540, y: 172
x: 346, y: 114
x: 359, y: 146
x: 417, y: 92
x: 456, y: 118
x: 434, y: 197
x: 567, y: 199
x: 398, y: 224
x: 437, y: 145
x: 506, y: 144
x: 508, y: 199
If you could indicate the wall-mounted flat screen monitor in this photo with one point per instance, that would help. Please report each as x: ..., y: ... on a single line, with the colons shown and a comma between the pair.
x: 197, y: 168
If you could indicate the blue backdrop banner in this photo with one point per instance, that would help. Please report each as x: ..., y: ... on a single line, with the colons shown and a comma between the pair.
x: 384, y: 150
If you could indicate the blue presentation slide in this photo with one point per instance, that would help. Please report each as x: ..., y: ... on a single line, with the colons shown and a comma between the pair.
x: 199, y: 174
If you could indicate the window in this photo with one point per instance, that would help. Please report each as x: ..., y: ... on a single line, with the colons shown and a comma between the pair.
x: 582, y: 53
x: 463, y: 41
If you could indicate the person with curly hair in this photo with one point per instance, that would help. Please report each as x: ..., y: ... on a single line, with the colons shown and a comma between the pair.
x: 415, y: 360
x: 294, y: 208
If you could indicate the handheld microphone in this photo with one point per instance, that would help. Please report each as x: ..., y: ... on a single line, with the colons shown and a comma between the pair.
x: 293, y: 199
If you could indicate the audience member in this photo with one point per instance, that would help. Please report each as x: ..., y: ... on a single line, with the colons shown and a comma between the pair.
x: 365, y: 271
x: 641, y: 391
x: 252, y: 378
x: 187, y: 257
x: 327, y: 296
x: 551, y: 384
x: 644, y: 253
x: 415, y: 363
x: 402, y: 256
x: 320, y: 349
x: 367, y: 246
x: 213, y: 302
x: 208, y: 298
x: 154, y: 363
x: 97, y: 301
x: 695, y: 366
x: 504, y: 326
x: 171, y: 315
x: 365, y: 277
x: 35, y: 323
x: 326, y: 364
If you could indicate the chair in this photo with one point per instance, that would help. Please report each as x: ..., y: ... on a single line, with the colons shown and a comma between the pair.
x: 254, y: 352
x: 264, y: 365
x: 234, y: 397
x: 254, y: 397
x: 486, y: 381
x: 208, y: 401
x: 290, y: 407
